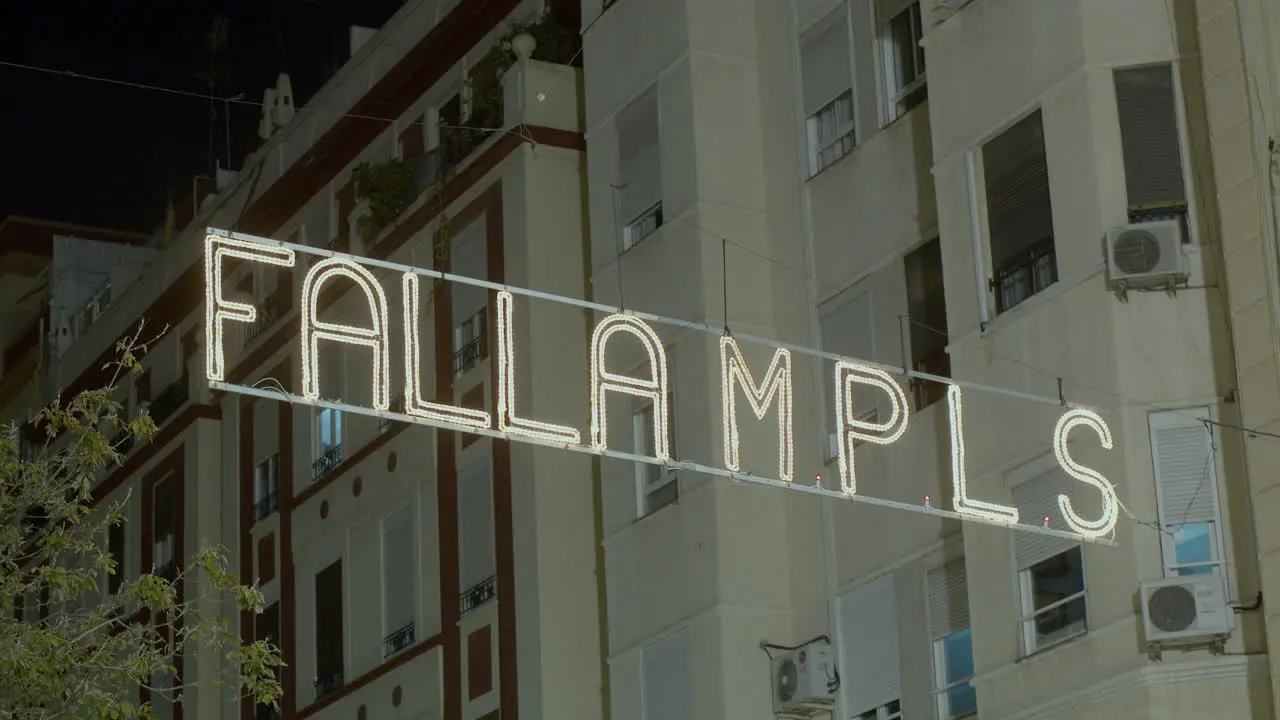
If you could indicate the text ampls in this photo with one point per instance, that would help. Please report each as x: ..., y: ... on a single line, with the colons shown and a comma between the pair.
x: 773, y: 393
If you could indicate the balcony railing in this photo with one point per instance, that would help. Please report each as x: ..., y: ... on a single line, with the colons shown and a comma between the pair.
x: 328, y: 683
x: 479, y: 594
x: 170, y: 399
x: 326, y: 462
x: 266, y: 505
x: 397, y: 641
x: 471, y: 351
x: 273, y: 309
x: 1027, y: 273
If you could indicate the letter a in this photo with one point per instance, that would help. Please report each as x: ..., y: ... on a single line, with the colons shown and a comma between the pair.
x: 776, y: 385
x: 603, y: 381
x: 315, y: 330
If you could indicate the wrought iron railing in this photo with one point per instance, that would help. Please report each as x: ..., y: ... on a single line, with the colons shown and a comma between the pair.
x: 170, y: 399
x: 1027, y: 273
x: 328, y: 683
x: 326, y: 462
x: 476, y: 349
x: 397, y: 641
x: 479, y: 594
x: 266, y: 505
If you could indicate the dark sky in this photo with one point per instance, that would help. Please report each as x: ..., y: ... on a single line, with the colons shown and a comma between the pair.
x: 91, y: 152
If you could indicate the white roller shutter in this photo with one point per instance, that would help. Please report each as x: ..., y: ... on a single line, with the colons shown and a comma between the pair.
x: 869, y: 669
x: 639, y: 157
x: 826, y: 61
x: 1186, y: 476
x: 665, y: 679
x: 1036, y: 498
x: 398, y: 569
x: 475, y: 515
x: 948, y: 599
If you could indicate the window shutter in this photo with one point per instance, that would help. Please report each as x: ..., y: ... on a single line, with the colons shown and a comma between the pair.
x: 948, y: 599
x: 1186, y: 476
x: 1035, y: 499
x: 826, y: 62
x: 468, y: 257
x: 1149, y: 135
x: 665, y: 674
x: 475, y: 515
x: 639, y: 157
x: 869, y: 643
x: 398, y: 580
x: 1016, y: 170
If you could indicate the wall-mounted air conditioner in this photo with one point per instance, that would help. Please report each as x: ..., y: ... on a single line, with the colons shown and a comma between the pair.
x: 1185, y: 609
x: 805, y: 678
x: 1146, y: 255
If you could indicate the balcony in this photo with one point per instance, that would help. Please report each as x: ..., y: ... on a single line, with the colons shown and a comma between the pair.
x: 170, y: 400
x: 1025, y: 274
x: 397, y: 641
x: 328, y: 682
x: 471, y: 338
x: 479, y: 594
x: 266, y: 505
x: 326, y: 462
x: 272, y: 311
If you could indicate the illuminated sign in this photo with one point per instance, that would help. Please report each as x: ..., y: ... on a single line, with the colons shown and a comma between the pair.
x: 774, y: 393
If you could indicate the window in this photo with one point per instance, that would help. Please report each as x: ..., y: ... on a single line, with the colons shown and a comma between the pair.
x: 868, y: 637
x: 329, y: 631
x: 398, y: 582
x: 468, y: 256
x: 328, y: 441
x: 1051, y: 580
x: 656, y: 486
x: 475, y: 520
x: 1147, y: 105
x: 826, y: 69
x: 1019, y: 213
x: 639, y: 168
x: 164, y: 510
x: 927, y: 313
x: 1182, y: 451
x: 116, y: 548
x: 952, y: 641
x: 900, y: 38
x: 847, y: 329
x: 266, y: 487
x: 664, y: 670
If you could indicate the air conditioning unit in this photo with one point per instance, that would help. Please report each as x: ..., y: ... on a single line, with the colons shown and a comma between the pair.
x: 805, y: 679
x: 1185, y: 609
x: 1145, y: 255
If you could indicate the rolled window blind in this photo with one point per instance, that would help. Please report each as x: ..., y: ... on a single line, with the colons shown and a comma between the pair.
x: 948, y: 599
x: 639, y: 156
x: 826, y: 65
x: 1149, y: 136
x: 665, y: 677
x: 1035, y: 499
x: 1019, y: 213
x: 1182, y: 452
x: 869, y: 646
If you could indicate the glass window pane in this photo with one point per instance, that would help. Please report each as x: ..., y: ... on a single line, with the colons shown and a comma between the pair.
x: 958, y: 650
x: 962, y: 700
x: 1193, y: 543
x: 1060, y: 622
x: 1057, y: 578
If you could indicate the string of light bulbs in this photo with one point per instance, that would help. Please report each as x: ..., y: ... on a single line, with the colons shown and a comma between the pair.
x: 777, y: 384
x: 604, y: 381
x: 847, y: 374
x: 314, y: 329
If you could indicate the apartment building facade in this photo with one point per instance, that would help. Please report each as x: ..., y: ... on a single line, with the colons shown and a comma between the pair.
x: 401, y: 568
x: 930, y: 186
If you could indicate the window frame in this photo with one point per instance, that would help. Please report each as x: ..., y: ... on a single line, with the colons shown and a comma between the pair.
x: 1027, y: 612
x: 840, y: 14
x: 941, y: 687
x: 641, y: 420
x: 894, y: 93
x: 1168, y: 541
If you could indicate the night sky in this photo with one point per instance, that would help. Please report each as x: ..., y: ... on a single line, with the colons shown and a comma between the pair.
x: 95, y: 153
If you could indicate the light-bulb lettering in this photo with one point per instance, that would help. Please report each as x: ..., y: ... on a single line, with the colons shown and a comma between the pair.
x: 851, y: 428
x: 777, y: 385
x: 507, y: 419
x: 1110, y: 503
x: 959, y: 482
x: 604, y: 381
x: 414, y: 404
x: 216, y: 307
x: 314, y: 330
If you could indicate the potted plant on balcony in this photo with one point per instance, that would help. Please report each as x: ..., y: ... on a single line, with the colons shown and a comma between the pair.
x: 387, y: 188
